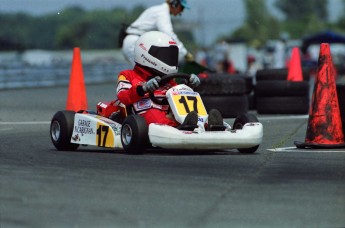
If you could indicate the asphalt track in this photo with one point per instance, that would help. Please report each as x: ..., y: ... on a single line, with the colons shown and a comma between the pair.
x: 42, y: 187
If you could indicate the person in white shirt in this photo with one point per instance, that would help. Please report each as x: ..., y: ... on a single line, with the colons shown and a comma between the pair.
x: 156, y: 18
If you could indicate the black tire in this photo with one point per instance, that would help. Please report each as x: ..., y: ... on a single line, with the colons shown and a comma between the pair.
x: 240, y: 121
x: 279, y: 74
x: 275, y: 88
x: 228, y: 106
x: 61, y: 129
x: 251, y: 101
x: 222, y: 84
x: 249, y: 83
x: 134, y: 134
x: 282, y: 105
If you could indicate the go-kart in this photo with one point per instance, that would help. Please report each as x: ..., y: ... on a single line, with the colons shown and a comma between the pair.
x: 114, y: 125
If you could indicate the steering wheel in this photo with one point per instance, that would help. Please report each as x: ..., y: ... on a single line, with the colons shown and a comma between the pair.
x: 164, y: 80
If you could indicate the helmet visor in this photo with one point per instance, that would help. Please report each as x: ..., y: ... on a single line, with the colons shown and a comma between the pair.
x: 168, y: 55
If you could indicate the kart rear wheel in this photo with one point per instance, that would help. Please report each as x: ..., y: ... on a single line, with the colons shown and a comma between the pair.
x: 240, y: 121
x: 134, y: 134
x: 61, y: 129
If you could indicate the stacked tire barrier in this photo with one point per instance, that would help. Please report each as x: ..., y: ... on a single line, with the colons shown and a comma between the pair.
x: 275, y: 95
x: 226, y: 92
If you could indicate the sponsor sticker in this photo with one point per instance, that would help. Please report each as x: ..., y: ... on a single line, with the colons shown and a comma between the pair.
x: 83, y: 127
x: 143, y: 104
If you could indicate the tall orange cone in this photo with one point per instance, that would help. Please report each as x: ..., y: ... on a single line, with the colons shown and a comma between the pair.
x: 295, y: 68
x: 324, y: 125
x: 76, y: 99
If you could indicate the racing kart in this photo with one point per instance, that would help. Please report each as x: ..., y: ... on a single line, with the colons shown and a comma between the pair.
x: 115, y: 126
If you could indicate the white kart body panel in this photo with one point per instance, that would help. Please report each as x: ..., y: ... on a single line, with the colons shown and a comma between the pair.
x: 96, y: 130
x: 171, y: 138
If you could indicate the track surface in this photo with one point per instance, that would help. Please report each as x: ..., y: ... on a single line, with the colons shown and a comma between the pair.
x: 42, y: 187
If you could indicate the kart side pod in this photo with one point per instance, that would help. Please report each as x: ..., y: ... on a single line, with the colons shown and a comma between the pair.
x: 96, y: 130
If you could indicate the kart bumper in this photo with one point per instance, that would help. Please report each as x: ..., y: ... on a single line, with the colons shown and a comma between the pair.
x: 171, y: 138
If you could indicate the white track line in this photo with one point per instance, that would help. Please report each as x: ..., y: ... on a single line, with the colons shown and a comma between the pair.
x: 283, y: 117
x: 297, y: 150
x: 25, y: 123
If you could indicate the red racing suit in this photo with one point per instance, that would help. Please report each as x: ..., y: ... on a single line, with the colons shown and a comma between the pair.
x: 129, y: 94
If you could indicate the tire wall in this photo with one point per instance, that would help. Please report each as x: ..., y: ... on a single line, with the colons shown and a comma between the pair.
x: 275, y: 95
x: 226, y: 92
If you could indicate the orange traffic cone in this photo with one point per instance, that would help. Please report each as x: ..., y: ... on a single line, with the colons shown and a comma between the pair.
x: 76, y: 99
x: 295, y: 68
x: 324, y: 125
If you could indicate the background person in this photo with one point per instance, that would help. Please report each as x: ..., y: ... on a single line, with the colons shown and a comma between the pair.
x: 155, y: 18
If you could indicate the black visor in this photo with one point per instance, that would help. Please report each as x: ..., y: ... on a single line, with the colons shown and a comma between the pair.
x: 168, y: 55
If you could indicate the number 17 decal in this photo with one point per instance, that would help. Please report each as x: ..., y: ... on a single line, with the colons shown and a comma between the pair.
x: 190, y: 98
x: 186, y: 104
x: 104, y: 136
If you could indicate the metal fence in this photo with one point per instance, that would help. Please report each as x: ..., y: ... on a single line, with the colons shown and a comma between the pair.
x: 16, y: 73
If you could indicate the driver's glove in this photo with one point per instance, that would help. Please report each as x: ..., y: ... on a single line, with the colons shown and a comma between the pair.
x: 152, y: 84
x: 194, y: 81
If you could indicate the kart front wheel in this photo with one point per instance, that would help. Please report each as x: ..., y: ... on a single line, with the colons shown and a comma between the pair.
x: 134, y: 134
x: 61, y: 129
x: 240, y: 121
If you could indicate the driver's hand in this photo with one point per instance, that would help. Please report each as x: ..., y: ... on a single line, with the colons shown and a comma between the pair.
x: 189, y: 57
x: 152, y: 84
x: 194, y: 81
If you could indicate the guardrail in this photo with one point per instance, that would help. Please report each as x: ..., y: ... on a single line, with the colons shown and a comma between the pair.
x: 47, y: 76
x: 41, y: 68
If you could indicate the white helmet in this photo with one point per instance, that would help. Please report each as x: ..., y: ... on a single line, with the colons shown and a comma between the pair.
x: 158, y: 51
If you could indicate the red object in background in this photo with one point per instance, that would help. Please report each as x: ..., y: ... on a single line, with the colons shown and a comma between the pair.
x: 295, y: 67
x: 203, y: 75
x: 76, y: 99
x: 231, y: 68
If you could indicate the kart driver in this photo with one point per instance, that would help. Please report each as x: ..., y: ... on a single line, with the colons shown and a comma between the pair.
x: 155, y: 18
x: 156, y: 54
